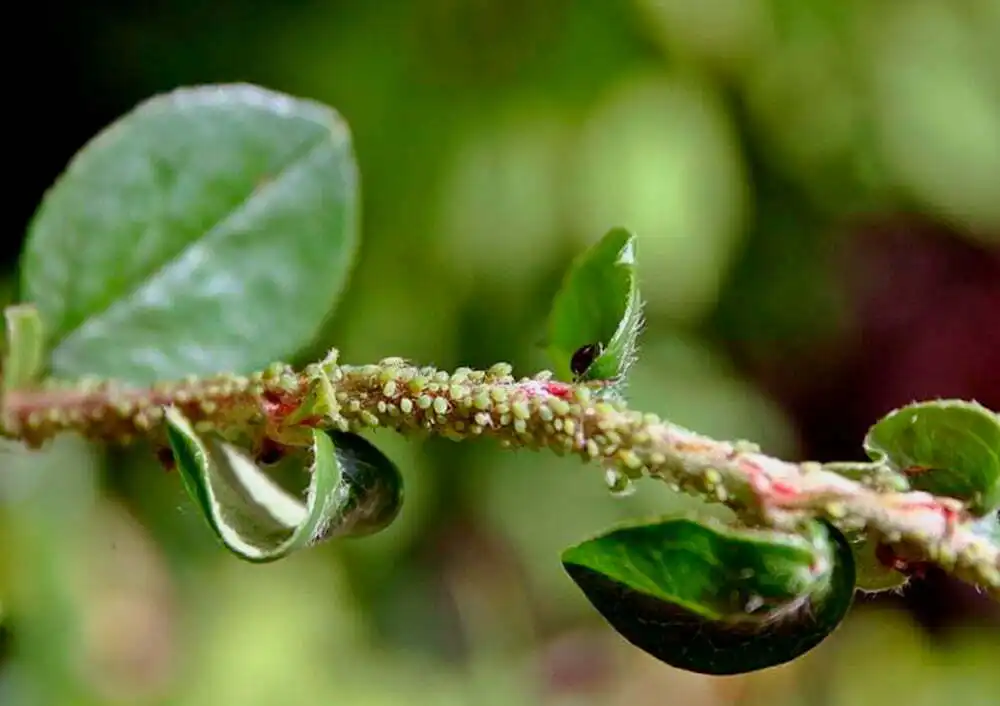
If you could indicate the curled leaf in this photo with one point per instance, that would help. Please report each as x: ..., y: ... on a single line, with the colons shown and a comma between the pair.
x: 354, y: 491
x: 713, y: 599
x: 597, y: 315
x: 945, y: 447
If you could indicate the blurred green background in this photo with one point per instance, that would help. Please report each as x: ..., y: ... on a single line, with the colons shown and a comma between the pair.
x: 816, y: 189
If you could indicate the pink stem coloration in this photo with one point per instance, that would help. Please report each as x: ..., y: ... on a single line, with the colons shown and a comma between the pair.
x: 526, y: 413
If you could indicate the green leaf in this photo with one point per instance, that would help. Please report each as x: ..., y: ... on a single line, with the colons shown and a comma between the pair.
x: 873, y: 576
x: 713, y: 599
x: 597, y: 315
x: 209, y: 230
x: 354, y: 490
x: 24, y: 354
x: 945, y: 447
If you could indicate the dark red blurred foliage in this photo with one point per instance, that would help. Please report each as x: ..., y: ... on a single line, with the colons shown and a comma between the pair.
x: 924, y: 309
x: 927, y: 310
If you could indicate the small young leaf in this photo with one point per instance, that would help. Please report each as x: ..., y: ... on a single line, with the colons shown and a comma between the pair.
x: 714, y: 599
x: 945, y: 447
x: 597, y: 315
x: 354, y: 490
x: 209, y: 230
x: 24, y: 355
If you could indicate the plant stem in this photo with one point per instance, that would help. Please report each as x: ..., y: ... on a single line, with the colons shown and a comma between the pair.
x: 527, y: 413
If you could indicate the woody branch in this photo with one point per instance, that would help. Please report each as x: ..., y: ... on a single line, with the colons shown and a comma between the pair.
x: 524, y: 413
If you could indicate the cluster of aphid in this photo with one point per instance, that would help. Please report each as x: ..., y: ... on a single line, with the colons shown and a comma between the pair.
x: 528, y: 413
x: 464, y: 403
x: 569, y: 418
x: 113, y: 412
x: 531, y: 412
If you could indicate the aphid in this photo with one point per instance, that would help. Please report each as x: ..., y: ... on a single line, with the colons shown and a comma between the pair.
x: 584, y: 358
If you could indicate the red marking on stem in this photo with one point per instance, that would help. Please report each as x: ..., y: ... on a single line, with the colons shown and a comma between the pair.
x: 277, y: 406
x: 951, y: 516
x: 768, y: 490
x: 949, y: 513
x: 759, y: 482
x: 889, y: 559
x: 786, y: 491
x: 558, y: 389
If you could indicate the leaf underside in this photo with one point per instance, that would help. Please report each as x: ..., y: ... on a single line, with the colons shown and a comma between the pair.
x: 712, y: 600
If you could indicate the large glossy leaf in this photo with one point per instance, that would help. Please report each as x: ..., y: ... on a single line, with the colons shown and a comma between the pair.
x: 354, y: 490
x: 209, y: 230
x: 945, y: 447
x: 597, y: 315
x: 714, y: 599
